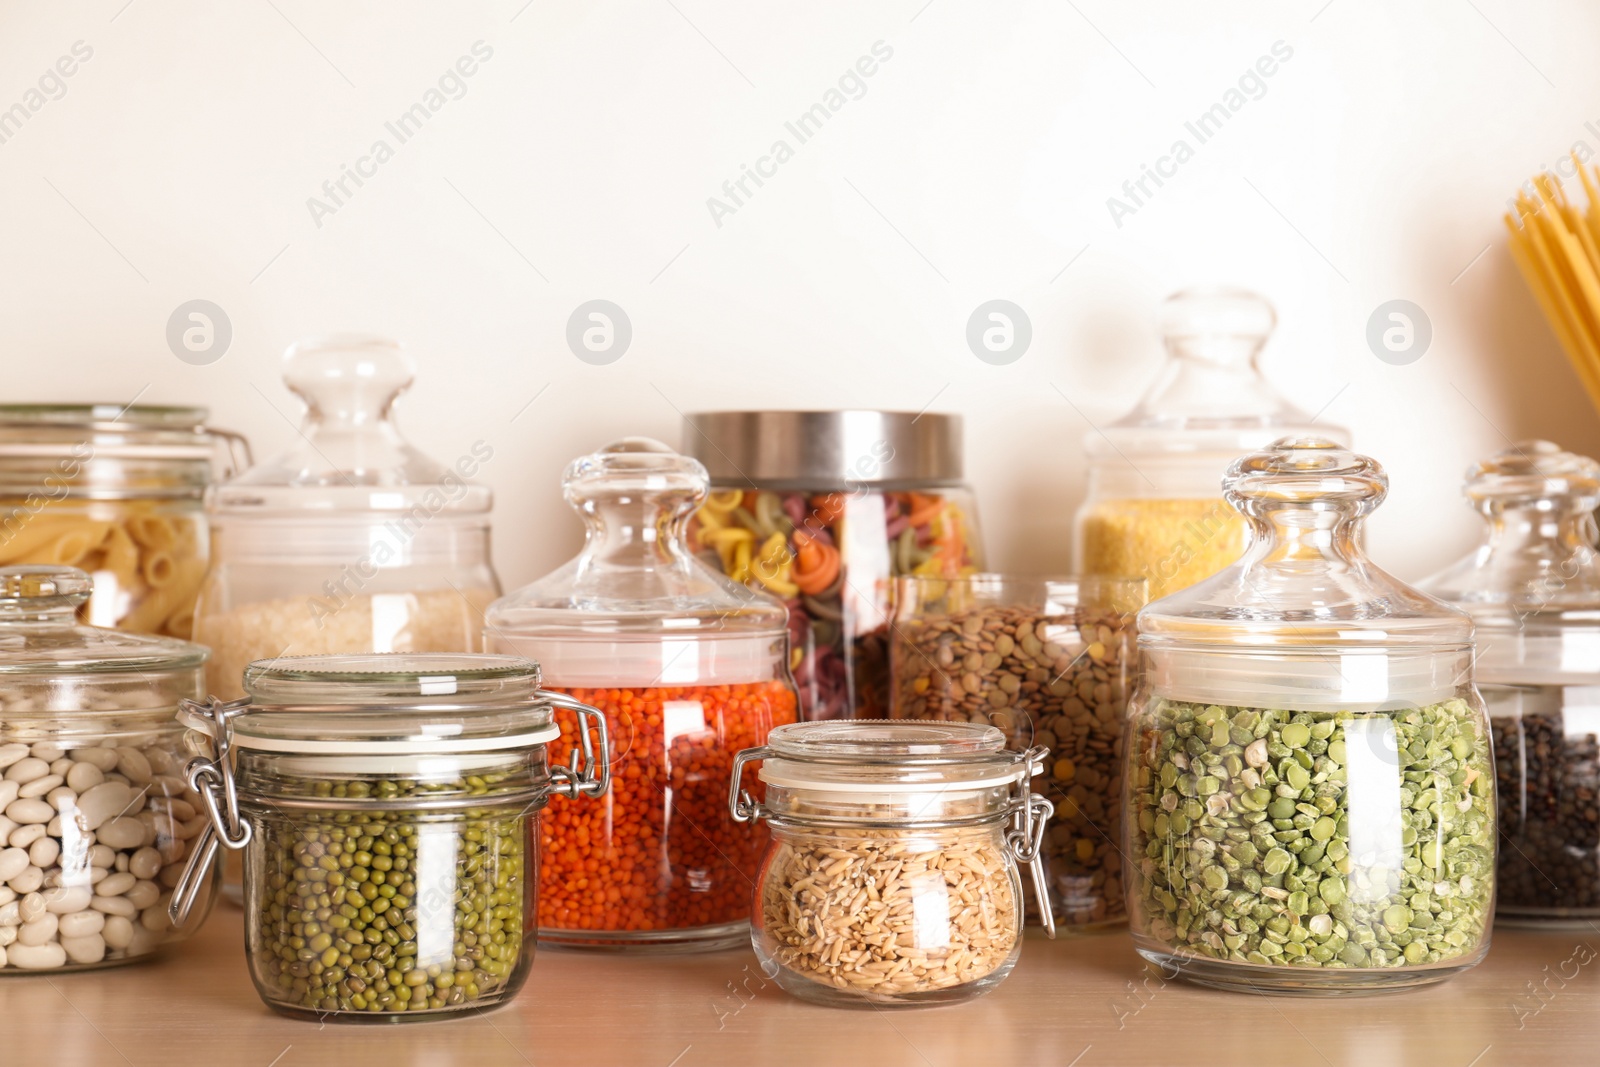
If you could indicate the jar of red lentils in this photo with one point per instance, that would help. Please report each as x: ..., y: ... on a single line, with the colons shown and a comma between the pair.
x: 689, y: 668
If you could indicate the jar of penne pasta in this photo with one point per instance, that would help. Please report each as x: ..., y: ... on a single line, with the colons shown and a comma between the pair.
x: 116, y: 491
x: 353, y: 542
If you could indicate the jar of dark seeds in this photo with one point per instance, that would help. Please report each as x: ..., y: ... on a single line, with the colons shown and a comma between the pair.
x: 1310, y: 793
x: 384, y: 808
x: 1048, y: 662
x: 1533, y: 588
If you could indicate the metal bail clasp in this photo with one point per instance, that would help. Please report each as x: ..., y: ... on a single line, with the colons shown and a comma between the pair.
x: 211, y: 778
x: 593, y: 778
x: 1026, y: 836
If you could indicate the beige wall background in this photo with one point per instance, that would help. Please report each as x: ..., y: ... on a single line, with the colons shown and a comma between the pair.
x: 976, y: 161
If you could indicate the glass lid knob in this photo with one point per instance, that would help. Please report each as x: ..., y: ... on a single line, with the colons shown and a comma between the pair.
x: 1311, y: 472
x: 1531, y: 471
x: 1219, y: 324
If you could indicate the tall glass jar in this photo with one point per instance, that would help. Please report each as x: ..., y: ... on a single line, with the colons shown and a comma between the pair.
x: 688, y: 668
x: 96, y: 821
x: 892, y: 876
x: 353, y: 542
x: 383, y: 804
x: 1152, y: 509
x: 1310, y: 800
x: 116, y: 491
x: 1050, y: 663
x: 823, y: 509
x: 1533, y: 588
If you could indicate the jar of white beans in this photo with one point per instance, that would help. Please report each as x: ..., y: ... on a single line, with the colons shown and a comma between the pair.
x: 96, y: 820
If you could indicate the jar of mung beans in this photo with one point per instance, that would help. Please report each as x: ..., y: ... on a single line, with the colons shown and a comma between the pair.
x: 892, y: 877
x: 384, y: 805
x: 1310, y: 795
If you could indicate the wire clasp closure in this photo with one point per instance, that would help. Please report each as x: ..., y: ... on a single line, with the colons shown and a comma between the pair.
x: 210, y: 774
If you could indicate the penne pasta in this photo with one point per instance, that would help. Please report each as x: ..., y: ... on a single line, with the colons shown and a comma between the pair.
x: 157, y: 568
x: 121, y: 556
x: 153, y: 531
x: 25, y: 536
x: 70, y: 546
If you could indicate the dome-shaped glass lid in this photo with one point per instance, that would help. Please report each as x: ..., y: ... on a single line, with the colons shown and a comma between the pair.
x: 39, y: 633
x: 1305, y: 581
x: 636, y: 574
x: 1210, y: 396
x: 351, y: 456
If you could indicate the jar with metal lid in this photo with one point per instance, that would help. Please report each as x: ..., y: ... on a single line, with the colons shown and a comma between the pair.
x: 1153, y: 510
x: 96, y: 820
x: 892, y: 877
x: 1310, y: 802
x: 353, y: 542
x: 823, y: 509
x: 688, y: 668
x: 116, y: 491
x: 1533, y: 589
x: 383, y: 804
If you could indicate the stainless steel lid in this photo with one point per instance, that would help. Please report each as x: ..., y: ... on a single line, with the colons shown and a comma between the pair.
x: 826, y: 450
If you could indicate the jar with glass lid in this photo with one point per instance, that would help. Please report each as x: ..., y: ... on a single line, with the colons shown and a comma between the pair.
x: 96, y: 821
x: 1153, y: 510
x: 1533, y: 588
x: 115, y: 490
x: 824, y: 509
x: 1310, y: 802
x: 892, y: 877
x: 352, y: 542
x: 689, y: 668
x: 383, y: 805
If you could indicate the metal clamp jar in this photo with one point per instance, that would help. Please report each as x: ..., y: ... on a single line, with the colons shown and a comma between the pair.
x: 95, y: 818
x: 384, y: 806
x: 892, y: 875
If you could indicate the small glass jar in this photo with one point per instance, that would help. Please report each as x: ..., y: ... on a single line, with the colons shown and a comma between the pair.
x: 354, y: 542
x: 1152, y: 509
x: 1048, y: 662
x: 384, y: 805
x: 1533, y: 588
x: 688, y: 668
x: 892, y: 876
x: 1310, y: 800
x: 823, y: 509
x: 96, y: 821
x: 116, y: 491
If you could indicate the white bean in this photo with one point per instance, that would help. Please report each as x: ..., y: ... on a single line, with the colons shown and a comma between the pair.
x: 48, y: 751
x: 102, y: 855
x: 102, y: 758
x: 132, y: 762
x: 36, y: 957
x: 8, y: 935
x: 30, y: 907
x: 31, y: 810
x: 63, y: 798
x: 105, y: 801
x: 90, y: 948
x: 171, y: 874
x: 155, y: 917
x: 7, y: 894
x: 26, y: 770
x: 8, y: 792
x: 10, y: 754
x: 39, y: 931
x: 40, y: 786
x: 28, y: 881
x: 44, y: 852
x: 145, y: 863
x: 13, y: 861
x: 25, y: 836
x: 170, y: 850
x: 84, y: 777
x: 118, y: 932
x: 82, y: 923
x: 117, y: 884
x: 123, y: 832
x: 143, y: 894
x: 10, y: 914
x: 114, y: 906
x: 67, y: 899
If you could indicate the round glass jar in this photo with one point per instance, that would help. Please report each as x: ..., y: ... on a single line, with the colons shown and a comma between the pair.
x: 892, y: 876
x: 1048, y: 662
x: 1152, y: 509
x: 384, y: 806
x: 96, y: 821
x: 688, y: 668
x: 1310, y: 803
x: 1533, y: 589
x: 355, y: 542
x: 116, y: 491
x: 824, y: 509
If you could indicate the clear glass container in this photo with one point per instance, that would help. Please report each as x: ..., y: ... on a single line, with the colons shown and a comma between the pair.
x: 892, y: 876
x: 1533, y: 588
x: 96, y: 821
x: 824, y: 509
x: 1152, y: 509
x: 354, y: 541
x: 1310, y: 802
x: 116, y: 491
x: 1048, y: 662
x: 383, y: 807
x: 688, y: 668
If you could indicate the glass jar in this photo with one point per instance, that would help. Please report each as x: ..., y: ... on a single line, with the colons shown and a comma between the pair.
x: 115, y: 490
x: 95, y: 819
x: 823, y: 509
x: 383, y: 809
x: 1310, y: 800
x: 688, y: 668
x: 1048, y: 662
x: 1152, y: 508
x: 1533, y: 588
x: 354, y: 542
x: 892, y: 876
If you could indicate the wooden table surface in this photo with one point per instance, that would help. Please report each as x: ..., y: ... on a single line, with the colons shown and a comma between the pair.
x: 1069, y: 1002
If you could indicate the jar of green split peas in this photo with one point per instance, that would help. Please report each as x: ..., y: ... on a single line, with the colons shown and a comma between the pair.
x: 384, y: 804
